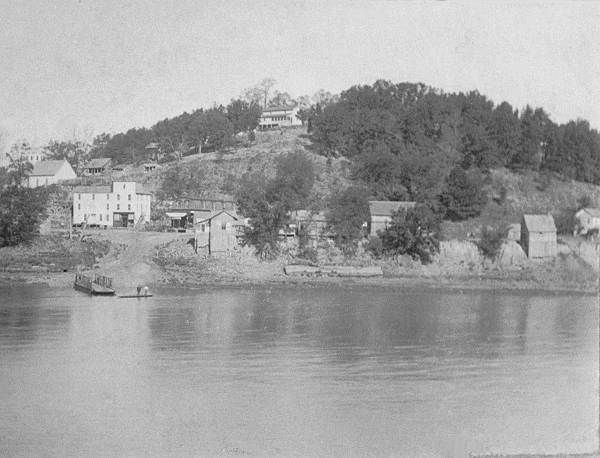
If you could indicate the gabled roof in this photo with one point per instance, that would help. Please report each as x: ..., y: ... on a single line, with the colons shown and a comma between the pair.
x: 47, y: 168
x: 217, y: 214
x: 104, y: 189
x: 593, y: 212
x: 279, y: 108
x: 539, y: 223
x: 387, y: 207
x: 98, y: 163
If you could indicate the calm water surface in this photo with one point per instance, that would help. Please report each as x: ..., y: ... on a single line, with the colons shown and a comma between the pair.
x: 301, y: 372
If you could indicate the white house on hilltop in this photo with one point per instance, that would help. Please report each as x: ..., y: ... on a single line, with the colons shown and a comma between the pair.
x: 280, y: 116
x: 49, y: 172
x: 122, y: 204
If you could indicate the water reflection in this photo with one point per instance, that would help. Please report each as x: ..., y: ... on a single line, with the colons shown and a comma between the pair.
x: 299, y: 372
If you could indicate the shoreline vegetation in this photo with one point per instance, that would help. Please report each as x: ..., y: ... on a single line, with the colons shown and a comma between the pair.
x: 165, y: 260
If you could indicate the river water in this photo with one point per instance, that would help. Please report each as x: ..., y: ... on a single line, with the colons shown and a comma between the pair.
x: 342, y: 371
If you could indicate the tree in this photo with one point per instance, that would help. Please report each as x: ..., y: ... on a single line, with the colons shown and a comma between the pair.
x: 243, y: 116
x: 347, y: 215
x: 260, y: 92
x: 268, y: 202
x: 414, y: 233
x: 464, y: 196
x: 281, y: 99
x: 76, y: 152
x: 381, y: 172
x: 22, y: 209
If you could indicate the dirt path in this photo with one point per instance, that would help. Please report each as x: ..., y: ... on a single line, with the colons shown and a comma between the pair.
x: 133, y: 265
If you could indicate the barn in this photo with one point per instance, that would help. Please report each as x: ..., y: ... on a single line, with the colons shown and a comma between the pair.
x: 538, y: 236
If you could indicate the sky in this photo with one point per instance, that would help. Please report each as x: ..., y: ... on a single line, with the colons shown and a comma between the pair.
x: 76, y: 68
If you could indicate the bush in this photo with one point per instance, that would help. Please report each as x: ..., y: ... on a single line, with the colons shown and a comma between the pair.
x: 565, y: 221
x: 375, y: 247
x: 464, y: 196
x: 490, y: 241
x: 416, y: 234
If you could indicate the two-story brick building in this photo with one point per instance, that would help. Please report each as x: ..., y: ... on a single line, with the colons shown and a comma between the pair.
x: 122, y: 204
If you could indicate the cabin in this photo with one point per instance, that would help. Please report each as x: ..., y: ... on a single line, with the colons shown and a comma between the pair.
x: 279, y: 116
x: 310, y: 224
x: 538, y: 236
x: 219, y: 232
x: 381, y: 213
x: 185, y: 214
x: 121, y: 204
x: 49, y: 172
x: 587, y: 219
x: 98, y: 166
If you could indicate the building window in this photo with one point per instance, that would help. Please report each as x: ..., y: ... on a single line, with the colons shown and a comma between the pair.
x: 118, y: 206
x: 223, y: 226
x: 128, y: 196
x: 107, y: 217
x: 107, y: 196
x: 128, y: 206
x: 118, y: 196
x: 100, y: 216
x: 93, y: 196
x: 108, y: 206
x: 123, y: 185
x: 78, y: 206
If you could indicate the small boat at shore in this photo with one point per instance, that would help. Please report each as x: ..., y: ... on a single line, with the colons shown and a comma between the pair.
x: 98, y: 285
x: 134, y: 295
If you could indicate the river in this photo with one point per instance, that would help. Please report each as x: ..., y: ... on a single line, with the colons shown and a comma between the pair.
x: 340, y: 371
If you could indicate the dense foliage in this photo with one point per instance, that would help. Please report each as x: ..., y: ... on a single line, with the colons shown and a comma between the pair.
x: 414, y: 233
x: 268, y: 202
x: 406, y: 138
x: 348, y: 211
x: 490, y: 241
x: 463, y: 196
x: 22, y: 209
x: 201, y: 130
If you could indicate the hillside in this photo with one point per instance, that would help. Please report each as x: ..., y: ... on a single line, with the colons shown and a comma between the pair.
x: 511, y: 194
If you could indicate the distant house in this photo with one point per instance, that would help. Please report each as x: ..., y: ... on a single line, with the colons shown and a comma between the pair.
x: 50, y: 172
x: 98, y: 166
x: 305, y: 222
x: 538, y: 236
x: 219, y: 231
x: 150, y: 167
x: 279, y: 116
x: 153, y: 151
x: 122, y: 204
x: 31, y: 155
x: 381, y: 213
x: 587, y: 219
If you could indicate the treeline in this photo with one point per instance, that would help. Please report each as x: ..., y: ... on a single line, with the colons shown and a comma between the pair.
x: 405, y: 139
x: 201, y: 130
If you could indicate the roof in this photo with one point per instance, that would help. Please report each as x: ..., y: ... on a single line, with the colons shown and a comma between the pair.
x: 140, y: 189
x: 387, y: 207
x: 307, y: 215
x: 539, y: 223
x: 280, y: 108
x: 593, y: 212
x: 217, y: 214
x: 152, y: 145
x: 46, y: 168
x: 105, y: 189
x: 98, y: 163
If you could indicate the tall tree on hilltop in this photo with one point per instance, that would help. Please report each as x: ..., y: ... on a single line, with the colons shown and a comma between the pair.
x: 243, y: 116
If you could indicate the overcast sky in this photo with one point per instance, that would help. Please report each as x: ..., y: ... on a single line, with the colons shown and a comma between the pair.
x: 95, y: 65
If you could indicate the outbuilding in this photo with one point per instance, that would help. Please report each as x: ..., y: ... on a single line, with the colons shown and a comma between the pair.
x: 219, y: 230
x: 538, y: 236
x: 587, y: 220
x: 381, y: 213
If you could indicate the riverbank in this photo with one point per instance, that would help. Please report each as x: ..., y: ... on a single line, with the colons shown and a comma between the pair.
x: 166, y: 260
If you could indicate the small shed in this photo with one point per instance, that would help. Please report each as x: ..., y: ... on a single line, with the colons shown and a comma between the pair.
x: 222, y: 232
x: 97, y: 166
x: 587, y: 220
x: 381, y: 213
x: 538, y: 236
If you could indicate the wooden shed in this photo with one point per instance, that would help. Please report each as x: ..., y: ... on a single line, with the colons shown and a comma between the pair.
x: 538, y: 236
x: 221, y: 230
x: 381, y: 213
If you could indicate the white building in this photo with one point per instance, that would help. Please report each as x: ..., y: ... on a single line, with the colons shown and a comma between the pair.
x: 32, y: 155
x: 122, y: 204
x: 49, y: 172
x: 282, y: 116
x: 587, y: 220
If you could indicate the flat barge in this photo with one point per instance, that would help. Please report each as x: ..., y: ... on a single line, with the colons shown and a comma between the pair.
x: 98, y: 285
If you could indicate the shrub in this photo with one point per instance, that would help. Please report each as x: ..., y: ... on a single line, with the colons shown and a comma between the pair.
x: 565, y: 221
x: 375, y: 246
x: 490, y: 241
x: 464, y: 196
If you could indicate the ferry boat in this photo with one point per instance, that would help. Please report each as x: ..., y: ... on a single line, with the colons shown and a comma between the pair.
x: 97, y: 285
